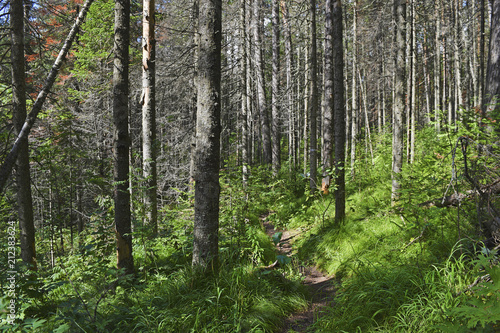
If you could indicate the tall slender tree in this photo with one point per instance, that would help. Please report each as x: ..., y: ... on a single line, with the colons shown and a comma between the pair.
x: 261, y: 92
x: 207, y: 157
x: 149, y: 145
x: 292, y: 146
x: 354, y: 108
x: 23, y: 178
x: 275, y: 128
x: 328, y: 99
x: 492, y: 87
x: 121, y: 137
x: 313, y: 104
x: 243, y: 88
x: 339, y: 110
x: 399, y: 102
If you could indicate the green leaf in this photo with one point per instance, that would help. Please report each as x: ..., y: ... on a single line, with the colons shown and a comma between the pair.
x: 277, y: 237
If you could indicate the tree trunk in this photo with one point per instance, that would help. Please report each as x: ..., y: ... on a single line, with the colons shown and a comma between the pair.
x: 207, y: 187
x: 313, y: 104
x: 261, y: 93
x: 328, y: 103
x: 339, y: 110
x: 492, y: 87
x: 243, y: 88
x: 437, y: 68
x: 149, y: 144
x: 456, y: 55
x: 399, y: 102
x: 482, y: 51
x: 354, y: 107
x: 367, y: 121
x: 289, y: 83
x: 121, y: 137
x: 23, y: 178
x: 275, y: 130
x: 413, y: 95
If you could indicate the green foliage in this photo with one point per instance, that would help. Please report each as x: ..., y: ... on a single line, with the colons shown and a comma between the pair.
x: 480, y: 304
x: 95, y: 46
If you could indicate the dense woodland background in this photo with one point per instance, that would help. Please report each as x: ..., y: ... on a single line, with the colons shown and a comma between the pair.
x: 368, y: 127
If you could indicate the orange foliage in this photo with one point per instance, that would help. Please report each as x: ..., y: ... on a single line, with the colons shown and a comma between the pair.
x: 32, y: 57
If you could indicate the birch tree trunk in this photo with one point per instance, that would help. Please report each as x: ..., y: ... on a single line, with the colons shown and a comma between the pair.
x: 149, y: 144
x: 23, y: 178
x: 208, y: 128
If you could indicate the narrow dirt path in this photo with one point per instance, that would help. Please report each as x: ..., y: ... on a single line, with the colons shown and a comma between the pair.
x: 321, y: 287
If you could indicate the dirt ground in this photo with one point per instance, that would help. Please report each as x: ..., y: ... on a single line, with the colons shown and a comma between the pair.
x: 321, y: 287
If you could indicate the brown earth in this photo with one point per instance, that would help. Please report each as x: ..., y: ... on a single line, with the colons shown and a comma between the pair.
x: 320, y: 286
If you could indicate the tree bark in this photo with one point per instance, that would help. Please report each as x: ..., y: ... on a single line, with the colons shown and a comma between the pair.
x: 313, y: 104
x: 23, y: 178
x: 275, y: 130
x: 492, y: 87
x: 328, y: 102
x: 437, y: 68
x: 354, y: 107
x: 289, y: 90
x: 261, y: 93
x: 121, y: 137
x: 208, y: 128
x: 243, y: 88
x: 149, y: 144
x: 339, y: 111
x: 399, y: 102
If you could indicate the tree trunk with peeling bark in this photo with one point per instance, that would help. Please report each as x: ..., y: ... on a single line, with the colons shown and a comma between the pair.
x: 149, y: 144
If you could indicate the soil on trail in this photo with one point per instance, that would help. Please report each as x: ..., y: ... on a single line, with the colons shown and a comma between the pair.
x: 321, y: 287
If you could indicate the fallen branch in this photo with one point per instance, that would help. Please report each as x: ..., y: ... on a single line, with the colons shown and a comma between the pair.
x: 415, y: 239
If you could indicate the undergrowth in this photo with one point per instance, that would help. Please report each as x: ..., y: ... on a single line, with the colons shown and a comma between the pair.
x: 404, y: 267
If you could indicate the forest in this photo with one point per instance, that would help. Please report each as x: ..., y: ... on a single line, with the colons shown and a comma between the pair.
x: 249, y: 166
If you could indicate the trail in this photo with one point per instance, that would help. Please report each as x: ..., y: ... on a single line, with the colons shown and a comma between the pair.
x: 321, y: 287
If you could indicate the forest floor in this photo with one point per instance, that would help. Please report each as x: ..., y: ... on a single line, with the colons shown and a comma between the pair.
x: 321, y: 288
